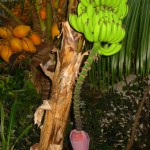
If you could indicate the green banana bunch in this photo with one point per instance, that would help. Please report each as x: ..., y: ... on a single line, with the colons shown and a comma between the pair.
x: 107, y: 25
x: 101, y: 21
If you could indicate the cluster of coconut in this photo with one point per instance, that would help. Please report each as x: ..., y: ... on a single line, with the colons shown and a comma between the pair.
x: 20, y: 38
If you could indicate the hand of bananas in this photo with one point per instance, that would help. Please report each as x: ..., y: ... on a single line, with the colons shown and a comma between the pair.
x: 101, y: 22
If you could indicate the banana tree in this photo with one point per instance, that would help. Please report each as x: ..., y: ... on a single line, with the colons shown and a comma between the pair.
x: 68, y: 64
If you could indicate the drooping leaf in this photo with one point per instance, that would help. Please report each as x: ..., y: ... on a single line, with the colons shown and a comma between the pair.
x: 114, y: 65
x: 133, y: 26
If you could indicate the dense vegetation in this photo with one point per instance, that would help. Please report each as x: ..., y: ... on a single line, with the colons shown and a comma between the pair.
x: 107, y: 113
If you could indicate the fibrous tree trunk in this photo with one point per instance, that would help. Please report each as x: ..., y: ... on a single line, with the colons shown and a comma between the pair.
x: 63, y: 80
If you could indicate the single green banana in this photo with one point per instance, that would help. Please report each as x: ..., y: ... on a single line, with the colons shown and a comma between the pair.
x: 125, y: 12
x: 88, y: 27
x: 96, y: 23
x: 101, y: 13
x: 122, y: 10
x: 100, y: 33
x: 113, y: 32
x: 81, y: 9
x: 110, y: 50
x: 80, y: 25
x: 85, y: 18
x: 96, y: 31
x: 73, y: 22
x: 118, y: 34
x: 108, y: 31
x: 91, y: 23
x: 116, y: 49
x: 123, y: 33
x: 95, y: 17
x: 88, y: 34
x: 102, y: 36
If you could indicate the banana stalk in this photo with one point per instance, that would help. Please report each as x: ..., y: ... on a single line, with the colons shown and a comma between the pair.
x: 79, y: 84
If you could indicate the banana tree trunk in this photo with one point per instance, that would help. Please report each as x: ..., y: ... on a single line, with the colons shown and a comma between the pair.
x: 63, y: 80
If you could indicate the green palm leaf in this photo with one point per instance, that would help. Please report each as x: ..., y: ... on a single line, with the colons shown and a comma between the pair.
x: 132, y: 28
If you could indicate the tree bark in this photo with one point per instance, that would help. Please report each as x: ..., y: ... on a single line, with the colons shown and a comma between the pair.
x: 63, y: 81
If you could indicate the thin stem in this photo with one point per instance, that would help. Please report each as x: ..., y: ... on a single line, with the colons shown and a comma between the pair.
x: 137, y: 116
x: 49, y: 19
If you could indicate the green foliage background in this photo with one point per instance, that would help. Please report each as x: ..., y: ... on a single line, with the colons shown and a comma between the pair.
x: 14, y: 88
